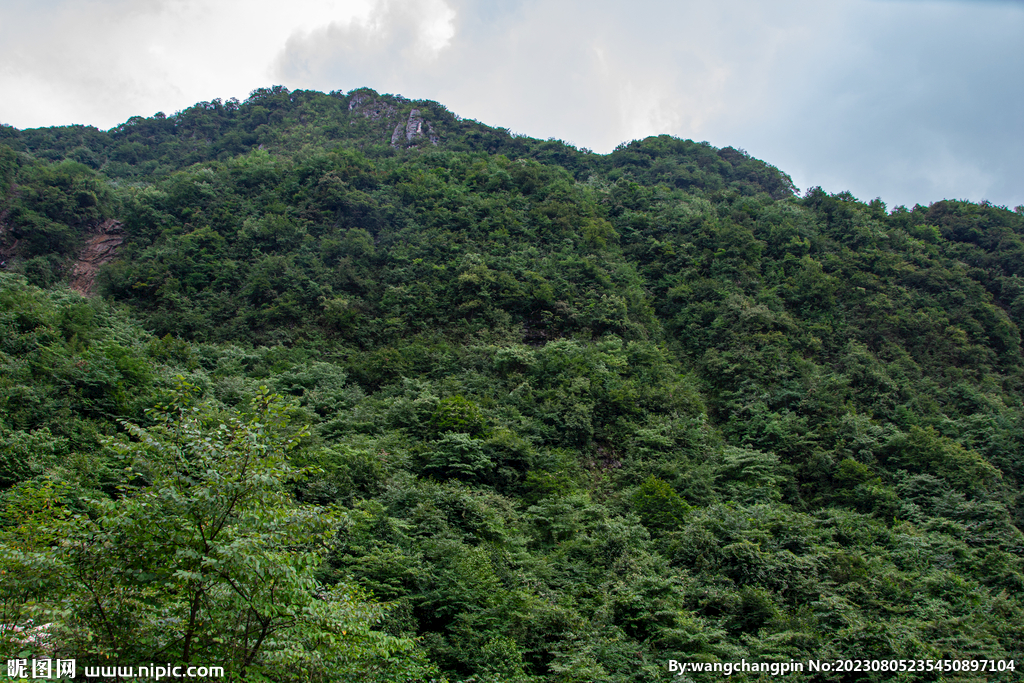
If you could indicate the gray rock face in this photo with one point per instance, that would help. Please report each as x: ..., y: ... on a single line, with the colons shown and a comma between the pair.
x: 371, y: 108
x: 415, y: 127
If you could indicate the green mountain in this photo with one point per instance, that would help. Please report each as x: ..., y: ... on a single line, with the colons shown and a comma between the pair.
x: 361, y: 390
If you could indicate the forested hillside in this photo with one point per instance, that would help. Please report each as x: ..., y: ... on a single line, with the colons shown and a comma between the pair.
x: 354, y: 389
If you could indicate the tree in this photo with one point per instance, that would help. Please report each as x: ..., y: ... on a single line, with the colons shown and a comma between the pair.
x: 204, y: 558
x: 458, y: 414
x: 658, y: 505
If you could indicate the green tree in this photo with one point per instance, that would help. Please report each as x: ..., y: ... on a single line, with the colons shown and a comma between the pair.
x: 205, y: 558
x: 658, y: 505
x: 458, y: 414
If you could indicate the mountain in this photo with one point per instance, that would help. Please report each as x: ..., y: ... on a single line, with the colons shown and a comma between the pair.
x: 569, y: 416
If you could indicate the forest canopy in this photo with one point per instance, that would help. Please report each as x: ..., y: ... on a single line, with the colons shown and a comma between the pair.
x: 343, y: 385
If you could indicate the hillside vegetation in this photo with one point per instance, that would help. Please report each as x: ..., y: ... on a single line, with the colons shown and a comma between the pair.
x: 370, y: 392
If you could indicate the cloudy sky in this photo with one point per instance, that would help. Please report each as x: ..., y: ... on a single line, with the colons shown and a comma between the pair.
x: 910, y: 100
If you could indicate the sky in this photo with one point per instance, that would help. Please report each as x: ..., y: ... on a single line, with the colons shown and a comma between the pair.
x: 912, y: 101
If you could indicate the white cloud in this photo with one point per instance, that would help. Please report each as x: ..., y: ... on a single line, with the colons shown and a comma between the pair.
x: 102, y: 61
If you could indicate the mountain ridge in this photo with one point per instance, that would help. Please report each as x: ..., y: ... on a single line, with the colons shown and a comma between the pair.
x: 362, y: 117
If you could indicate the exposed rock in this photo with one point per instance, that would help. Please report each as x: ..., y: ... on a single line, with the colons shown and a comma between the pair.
x: 372, y: 109
x: 101, y: 243
x: 415, y: 127
x: 357, y: 100
x: 397, y: 135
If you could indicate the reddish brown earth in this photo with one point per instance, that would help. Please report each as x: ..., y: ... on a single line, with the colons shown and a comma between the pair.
x: 101, y: 243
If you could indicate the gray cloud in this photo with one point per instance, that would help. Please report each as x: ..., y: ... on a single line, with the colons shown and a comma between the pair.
x: 910, y: 100
x: 911, y: 105
x: 578, y: 71
x: 399, y: 37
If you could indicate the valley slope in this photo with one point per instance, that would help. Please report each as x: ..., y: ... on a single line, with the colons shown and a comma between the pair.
x: 569, y: 415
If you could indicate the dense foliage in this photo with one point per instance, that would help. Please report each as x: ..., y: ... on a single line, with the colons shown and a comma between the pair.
x: 568, y: 415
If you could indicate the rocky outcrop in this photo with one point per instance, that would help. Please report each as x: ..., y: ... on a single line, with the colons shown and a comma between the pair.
x: 376, y: 108
x: 365, y: 104
x: 415, y: 127
x: 101, y: 244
